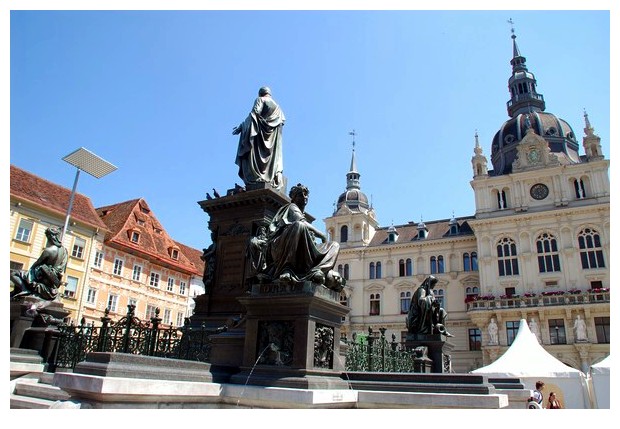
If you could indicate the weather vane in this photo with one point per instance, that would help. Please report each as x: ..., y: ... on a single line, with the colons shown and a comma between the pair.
x: 512, y: 26
x: 352, y: 133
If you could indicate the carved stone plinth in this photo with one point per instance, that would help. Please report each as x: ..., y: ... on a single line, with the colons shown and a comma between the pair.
x: 291, y: 333
x: 438, y: 349
x: 233, y: 220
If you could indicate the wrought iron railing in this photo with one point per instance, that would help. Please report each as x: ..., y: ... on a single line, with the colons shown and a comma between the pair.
x: 374, y: 353
x: 134, y: 336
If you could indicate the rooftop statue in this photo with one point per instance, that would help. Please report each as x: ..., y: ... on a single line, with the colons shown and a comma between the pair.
x: 425, y: 314
x: 44, y: 277
x: 259, y: 155
x: 287, y: 251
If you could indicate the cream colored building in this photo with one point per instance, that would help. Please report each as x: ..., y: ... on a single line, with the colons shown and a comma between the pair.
x: 537, y: 248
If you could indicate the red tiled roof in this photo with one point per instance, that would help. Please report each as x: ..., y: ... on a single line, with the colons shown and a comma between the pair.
x: 124, y: 218
x: 436, y: 229
x: 43, y: 193
x: 193, y: 255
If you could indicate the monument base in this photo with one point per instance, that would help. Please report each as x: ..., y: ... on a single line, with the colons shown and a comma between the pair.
x: 292, y: 333
x: 438, y: 349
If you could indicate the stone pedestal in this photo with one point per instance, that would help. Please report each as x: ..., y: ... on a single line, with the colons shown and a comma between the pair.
x: 234, y: 219
x: 38, y: 330
x: 438, y: 349
x: 291, y: 333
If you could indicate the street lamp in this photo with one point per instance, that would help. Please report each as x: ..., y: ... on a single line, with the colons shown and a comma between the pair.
x: 86, y: 161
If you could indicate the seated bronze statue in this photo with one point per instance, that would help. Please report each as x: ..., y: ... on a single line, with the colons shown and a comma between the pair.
x: 425, y: 314
x: 287, y: 250
x: 44, y: 278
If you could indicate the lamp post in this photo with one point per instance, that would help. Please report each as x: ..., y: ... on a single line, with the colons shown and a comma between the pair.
x: 84, y: 160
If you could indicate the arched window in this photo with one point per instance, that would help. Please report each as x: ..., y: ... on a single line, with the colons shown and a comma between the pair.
x: 439, y: 296
x: 440, y: 265
x: 371, y: 269
x: 375, y: 304
x: 408, y: 267
x: 433, y: 265
x: 501, y: 200
x: 405, y: 301
x: 401, y: 268
x: 590, y: 249
x: 344, y: 234
x: 470, y: 261
x: 346, y: 272
x: 471, y: 293
x: 378, y: 272
x: 340, y: 270
x: 474, y: 261
x: 580, y: 190
x: 507, y: 262
x: 548, y: 257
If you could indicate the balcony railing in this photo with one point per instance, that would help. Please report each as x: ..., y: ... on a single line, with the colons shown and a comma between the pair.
x: 539, y: 300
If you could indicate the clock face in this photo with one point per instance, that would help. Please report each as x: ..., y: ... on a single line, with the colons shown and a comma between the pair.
x: 539, y: 191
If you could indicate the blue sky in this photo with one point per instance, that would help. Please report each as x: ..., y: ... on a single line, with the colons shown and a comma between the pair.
x: 157, y: 93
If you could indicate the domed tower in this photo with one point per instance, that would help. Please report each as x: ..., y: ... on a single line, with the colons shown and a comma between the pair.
x: 353, y: 222
x: 526, y: 109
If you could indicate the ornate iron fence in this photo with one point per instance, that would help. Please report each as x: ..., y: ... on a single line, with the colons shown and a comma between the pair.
x: 374, y: 353
x: 132, y: 335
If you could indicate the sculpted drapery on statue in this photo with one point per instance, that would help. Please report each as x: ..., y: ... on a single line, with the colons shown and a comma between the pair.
x: 259, y: 155
x: 425, y: 314
x: 43, y: 279
x: 288, y: 252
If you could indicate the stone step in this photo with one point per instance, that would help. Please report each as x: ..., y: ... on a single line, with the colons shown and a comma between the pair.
x: 30, y: 403
x: 40, y: 390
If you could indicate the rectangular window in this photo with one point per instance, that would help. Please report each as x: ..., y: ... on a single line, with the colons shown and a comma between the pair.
x: 510, y: 291
x: 475, y: 339
x: 182, y: 288
x: 375, y: 304
x: 118, y: 267
x: 151, y: 311
x: 557, y: 332
x: 167, y: 316
x: 601, y: 325
x: 91, y: 296
x: 132, y: 301
x: 154, y: 280
x: 135, y: 237
x: 137, y: 273
x: 71, y: 287
x: 98, y: 262
x: 18, y: 266
x: 78, y: 247
x: 170, y: 286
x: 24, y: 230
x: 113, y: 302
x: 180, y: 319
x: 512, y: 327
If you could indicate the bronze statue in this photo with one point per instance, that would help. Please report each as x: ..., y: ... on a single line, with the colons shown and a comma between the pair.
x: 208, y: 256
x: 44, y: 278
x: 288, y: 253
x: 425, y: 314
x: 259, y: 154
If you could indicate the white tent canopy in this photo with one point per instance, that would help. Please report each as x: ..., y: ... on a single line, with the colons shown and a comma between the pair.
x: 529, y: 361
x: 599, y: 376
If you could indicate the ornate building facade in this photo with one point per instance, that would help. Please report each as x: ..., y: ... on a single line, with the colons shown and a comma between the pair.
x: 118, y: 254
x: 537, y: 247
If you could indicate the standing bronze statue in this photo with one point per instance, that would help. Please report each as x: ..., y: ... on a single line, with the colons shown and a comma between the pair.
x: 425, y: 314
x: 259, y: 155
x: 44, y: 278
x: 289, y: 253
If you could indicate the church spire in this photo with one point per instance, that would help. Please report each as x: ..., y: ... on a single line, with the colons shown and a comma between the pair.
x: 353, y: 176
x: 522, y: 83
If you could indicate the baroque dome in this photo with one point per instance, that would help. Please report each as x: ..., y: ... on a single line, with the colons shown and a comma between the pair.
x: 557, y: 132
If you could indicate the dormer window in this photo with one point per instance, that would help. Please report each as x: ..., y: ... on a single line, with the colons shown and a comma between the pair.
x: 135, y: 236
x: 174, y: 252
